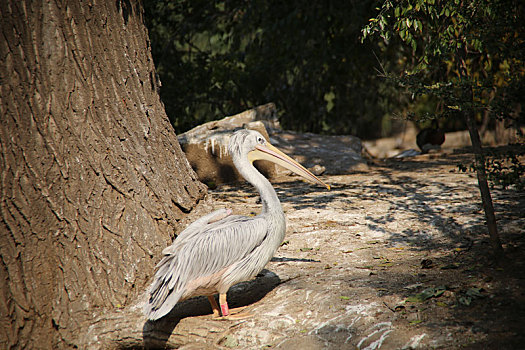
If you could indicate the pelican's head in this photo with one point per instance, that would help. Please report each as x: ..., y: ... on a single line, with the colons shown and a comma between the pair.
x: 254, y: 146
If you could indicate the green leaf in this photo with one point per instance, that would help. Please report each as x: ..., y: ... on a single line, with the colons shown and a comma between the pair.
x: 465, y: 300
x: 439, y: 291
x: 475, y: 293
x: 426, y: 294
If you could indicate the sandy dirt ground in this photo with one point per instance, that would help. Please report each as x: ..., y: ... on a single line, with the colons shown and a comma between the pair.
x: 394, y: 257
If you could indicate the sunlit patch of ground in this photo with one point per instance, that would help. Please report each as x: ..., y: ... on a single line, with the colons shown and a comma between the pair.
x: 397, y: 257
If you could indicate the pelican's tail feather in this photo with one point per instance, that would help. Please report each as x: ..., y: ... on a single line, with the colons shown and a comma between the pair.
x: 163, y: 292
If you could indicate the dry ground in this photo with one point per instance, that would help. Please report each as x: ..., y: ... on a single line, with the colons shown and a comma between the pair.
x: 396, y: 257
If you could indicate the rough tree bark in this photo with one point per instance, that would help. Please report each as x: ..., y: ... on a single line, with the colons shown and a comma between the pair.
x: 93, y: 181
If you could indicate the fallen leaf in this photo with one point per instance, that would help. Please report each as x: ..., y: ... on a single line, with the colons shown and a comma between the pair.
x: 465, y: 300
x: 399, y: 308
x: 469, y: 296
x: 426, y: 294
x: 385, y: 264
x: 475, y: 293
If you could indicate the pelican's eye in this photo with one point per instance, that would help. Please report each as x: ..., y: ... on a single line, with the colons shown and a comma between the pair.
x: 261, y: 140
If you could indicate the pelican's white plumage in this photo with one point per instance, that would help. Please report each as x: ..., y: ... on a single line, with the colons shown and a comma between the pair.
x: 219, y: 249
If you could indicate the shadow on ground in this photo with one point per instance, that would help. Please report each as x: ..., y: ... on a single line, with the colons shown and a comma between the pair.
x: 362, y: 258
x: 156, y: 333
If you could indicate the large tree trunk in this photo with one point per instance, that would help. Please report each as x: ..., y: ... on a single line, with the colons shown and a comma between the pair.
x: 93, y: 180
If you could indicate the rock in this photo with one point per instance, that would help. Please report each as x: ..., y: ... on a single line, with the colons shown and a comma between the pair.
x: 408, y: 153
x: 206, y: 146
x: 318, y: 170
x: 330, y: 155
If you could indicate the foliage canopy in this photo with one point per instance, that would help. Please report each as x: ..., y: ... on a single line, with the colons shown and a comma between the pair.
x: 468, y: 54
x: 219, y: 58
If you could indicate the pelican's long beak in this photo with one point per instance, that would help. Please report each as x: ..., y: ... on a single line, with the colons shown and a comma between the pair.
x: 274, y: 155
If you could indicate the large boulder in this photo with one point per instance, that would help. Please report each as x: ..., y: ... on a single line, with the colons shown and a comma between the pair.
x: 206, y: 146
x: 322, y: 154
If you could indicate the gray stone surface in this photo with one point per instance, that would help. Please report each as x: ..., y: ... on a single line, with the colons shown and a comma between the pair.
x: 206, y: 147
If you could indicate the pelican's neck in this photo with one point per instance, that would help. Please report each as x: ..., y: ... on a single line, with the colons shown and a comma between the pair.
x: 269, y: 198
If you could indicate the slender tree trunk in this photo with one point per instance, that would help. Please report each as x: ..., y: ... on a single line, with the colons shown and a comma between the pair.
x: 481, y: 173
x: 93, y: 181
x: 486, y: 198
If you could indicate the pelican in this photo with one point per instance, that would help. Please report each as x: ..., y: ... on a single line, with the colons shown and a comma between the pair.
x: 219, y: 249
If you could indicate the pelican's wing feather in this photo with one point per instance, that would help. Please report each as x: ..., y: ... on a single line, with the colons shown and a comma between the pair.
x: 202, y: 224
x: 201, y: 252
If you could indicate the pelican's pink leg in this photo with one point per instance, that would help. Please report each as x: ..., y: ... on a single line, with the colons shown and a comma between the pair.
x: 224, y: 305
x: 225, y: 310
